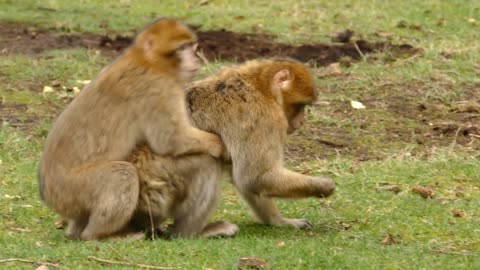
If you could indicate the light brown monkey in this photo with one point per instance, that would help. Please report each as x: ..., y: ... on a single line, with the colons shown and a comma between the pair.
x: 252, y: 107
x: 139, y: 98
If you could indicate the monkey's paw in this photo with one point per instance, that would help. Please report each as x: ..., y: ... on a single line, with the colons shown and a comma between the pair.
x: 325, y: 187
x: 220, y: 229
x: 216, y: 146
x: 298, y: 223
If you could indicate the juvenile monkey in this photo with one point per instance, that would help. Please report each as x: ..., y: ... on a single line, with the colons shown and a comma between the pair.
x: 139, y: 98
x: 252, y: 107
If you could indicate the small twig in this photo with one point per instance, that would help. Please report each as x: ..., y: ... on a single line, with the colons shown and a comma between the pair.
x: 358, y: 50
x: 453, y: 252
x: 29, y: 261
x: 205, y: 61
x: 128, y: 263
x: 19, y: 229
x: 152, y: 227
x: 474, y: 135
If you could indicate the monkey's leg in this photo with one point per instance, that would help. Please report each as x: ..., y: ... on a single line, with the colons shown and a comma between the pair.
x: 191, y: 215
x: 267, y: 212
x: 113, y: 190
x: 287, y: 184
x: 284, y: 184
x: 75, y: 228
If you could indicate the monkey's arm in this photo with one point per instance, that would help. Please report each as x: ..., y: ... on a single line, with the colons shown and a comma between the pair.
x: 169, y: 132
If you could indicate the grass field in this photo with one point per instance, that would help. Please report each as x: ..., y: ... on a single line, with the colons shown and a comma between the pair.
x: 421, y: 127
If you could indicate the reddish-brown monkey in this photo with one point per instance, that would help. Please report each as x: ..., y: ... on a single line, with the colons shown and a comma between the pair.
x: 252, y: 107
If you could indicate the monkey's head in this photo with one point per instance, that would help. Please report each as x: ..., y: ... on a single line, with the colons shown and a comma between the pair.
x: 170, y: 47
x: 293, y: 88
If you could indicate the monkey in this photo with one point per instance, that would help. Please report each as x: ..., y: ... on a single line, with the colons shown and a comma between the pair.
x: 252, y: 107
x: 138, y: 99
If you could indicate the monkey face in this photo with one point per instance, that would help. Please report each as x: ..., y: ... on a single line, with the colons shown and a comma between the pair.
x: 189, y: 63
x: 295, y: 117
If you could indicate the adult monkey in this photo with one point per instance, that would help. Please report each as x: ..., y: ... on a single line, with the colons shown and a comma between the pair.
x: 84, y: 174
x: 252, y: 107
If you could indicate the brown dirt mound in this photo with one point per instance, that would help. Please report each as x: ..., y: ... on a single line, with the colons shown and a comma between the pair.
x: 217, y: 44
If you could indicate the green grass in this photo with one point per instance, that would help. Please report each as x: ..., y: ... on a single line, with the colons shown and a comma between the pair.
x: 351, y: 225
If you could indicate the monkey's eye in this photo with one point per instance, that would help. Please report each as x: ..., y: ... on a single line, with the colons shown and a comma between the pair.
x: 298, y: 107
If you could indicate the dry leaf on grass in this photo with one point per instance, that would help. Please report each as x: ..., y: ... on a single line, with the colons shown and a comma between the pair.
x: 60, y: 224
x: 388, y: 240
x: 331, y: 70
x: 252, y: 263
x: 425, y: 192
x: 393, y: 188
x: 357, y: 105
x: 281, y: 244
x: 47, y: 89
x: 458, y: 213
x: 42, y: 267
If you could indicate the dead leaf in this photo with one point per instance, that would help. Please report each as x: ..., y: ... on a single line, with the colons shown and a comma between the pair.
x: 388, y: 240
x: 393, y: 188
x: 467, y: 107
x: 331, y: 70
x: 458, y: 213
x: 47, y: 89
x: 203, y: 3
x: 253, y: 263
x: 12, y: 197
x: 472, y: 21
x: 281, y: 244
x: 76, y: 90
x: 42, y: 267
x: 60, y: 224
x: 425, y: 192
x: 357, y: 105
x: 345, y: 226
x: 384, y: 34
x: 239, y: 18
x: 56, y: 83
x: 83, y: 81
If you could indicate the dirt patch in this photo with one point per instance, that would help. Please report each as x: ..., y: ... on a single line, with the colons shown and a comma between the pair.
x: 217, y: 44
x: 400, y: 117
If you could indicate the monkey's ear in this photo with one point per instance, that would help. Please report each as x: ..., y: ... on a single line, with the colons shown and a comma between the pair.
x: 282, y: 79
x: 148, y: 44
x: 280, y: 83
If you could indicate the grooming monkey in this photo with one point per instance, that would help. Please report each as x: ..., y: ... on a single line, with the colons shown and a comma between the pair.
x: 252, y: 107
x: 139, y: 98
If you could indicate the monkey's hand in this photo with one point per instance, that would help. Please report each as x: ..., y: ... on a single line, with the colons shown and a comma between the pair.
x: 216, y: 148
x: 324, y: 187
x: 297, y: 223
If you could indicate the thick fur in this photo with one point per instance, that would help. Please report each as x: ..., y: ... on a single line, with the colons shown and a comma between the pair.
x: 243, y: 106
x: 139, y: 98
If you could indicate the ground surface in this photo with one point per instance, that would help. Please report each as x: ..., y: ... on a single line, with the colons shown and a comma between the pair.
x: 415, y: 120
x: 407, y: 166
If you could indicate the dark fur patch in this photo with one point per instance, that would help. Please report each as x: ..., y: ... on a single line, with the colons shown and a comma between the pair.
x: 220, y: 87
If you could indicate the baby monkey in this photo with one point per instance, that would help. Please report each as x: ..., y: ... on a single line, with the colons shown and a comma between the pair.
x: 139, y: 98
x: 252, y: 107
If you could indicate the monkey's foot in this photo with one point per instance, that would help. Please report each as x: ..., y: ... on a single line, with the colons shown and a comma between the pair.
x: 220, y: 229
x: 131, y: 236
x: 297, y: 223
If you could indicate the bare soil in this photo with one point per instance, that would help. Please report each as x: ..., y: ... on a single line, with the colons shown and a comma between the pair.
x: 399, y: 116
x: 216, y: 45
